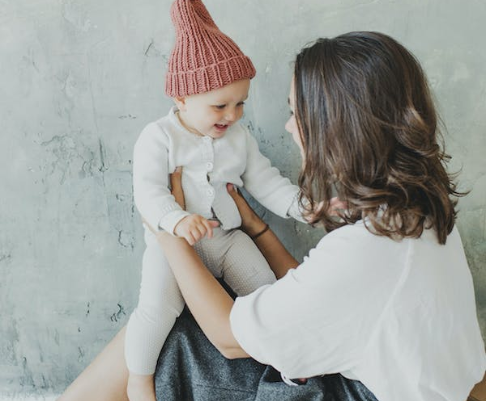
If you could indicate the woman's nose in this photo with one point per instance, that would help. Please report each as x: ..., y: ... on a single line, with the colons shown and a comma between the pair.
x: 287, y: 126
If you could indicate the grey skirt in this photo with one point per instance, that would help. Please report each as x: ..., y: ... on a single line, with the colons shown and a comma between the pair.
x: 190, y: 368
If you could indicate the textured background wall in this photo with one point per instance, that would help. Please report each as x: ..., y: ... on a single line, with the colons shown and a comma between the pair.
x: 79, y: 79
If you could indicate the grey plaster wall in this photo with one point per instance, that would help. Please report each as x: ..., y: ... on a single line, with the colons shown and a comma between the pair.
x: 79, y: 79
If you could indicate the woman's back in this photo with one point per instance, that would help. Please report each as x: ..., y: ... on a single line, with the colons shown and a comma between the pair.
x: 435, y: 351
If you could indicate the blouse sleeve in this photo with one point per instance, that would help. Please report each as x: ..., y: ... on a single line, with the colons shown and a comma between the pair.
x: 316, y: 319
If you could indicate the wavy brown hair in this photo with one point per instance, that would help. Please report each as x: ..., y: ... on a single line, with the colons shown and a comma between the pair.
x: 370, y: 133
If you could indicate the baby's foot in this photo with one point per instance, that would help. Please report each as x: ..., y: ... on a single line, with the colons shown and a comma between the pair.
x: 141, y: 388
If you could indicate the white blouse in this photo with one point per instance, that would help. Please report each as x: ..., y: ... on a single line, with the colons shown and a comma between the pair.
x: 398, y: 316
x: 208, y: 165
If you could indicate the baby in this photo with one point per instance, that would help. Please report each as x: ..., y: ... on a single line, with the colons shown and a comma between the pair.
x: 208, y: 77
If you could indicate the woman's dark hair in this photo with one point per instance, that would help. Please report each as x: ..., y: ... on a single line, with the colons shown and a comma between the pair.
x: 369, y: 131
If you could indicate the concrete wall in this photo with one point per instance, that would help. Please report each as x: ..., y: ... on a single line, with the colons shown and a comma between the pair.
x: 79, y: 79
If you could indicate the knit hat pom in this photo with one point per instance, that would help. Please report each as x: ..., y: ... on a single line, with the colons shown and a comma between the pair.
x: 203, y: 57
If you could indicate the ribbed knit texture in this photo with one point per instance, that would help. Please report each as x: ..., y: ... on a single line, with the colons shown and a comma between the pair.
x: 203, y: 57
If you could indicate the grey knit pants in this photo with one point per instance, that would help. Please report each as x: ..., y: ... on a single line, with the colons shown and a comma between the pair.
x: 190, y: 368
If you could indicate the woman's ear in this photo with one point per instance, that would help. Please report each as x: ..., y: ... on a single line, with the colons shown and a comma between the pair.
x: 180, y: 103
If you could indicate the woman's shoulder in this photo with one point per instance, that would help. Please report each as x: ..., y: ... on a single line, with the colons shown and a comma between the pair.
x: 363, y: 233
x: 356, y: 249
x: 354, y: 235
x: 352, y: 254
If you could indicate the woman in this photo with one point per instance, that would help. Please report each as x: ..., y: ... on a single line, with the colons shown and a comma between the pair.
x: 386, y: 297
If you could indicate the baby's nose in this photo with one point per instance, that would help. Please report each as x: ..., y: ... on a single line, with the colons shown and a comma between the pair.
x: 231, y: 115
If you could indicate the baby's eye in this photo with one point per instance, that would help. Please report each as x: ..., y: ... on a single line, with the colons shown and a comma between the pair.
x: 240, y: 104
x: 220, y: 106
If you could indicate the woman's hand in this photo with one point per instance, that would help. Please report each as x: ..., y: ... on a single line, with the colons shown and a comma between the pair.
x: 197, y: 283
x: 252, y: 224
x: 177, y: 187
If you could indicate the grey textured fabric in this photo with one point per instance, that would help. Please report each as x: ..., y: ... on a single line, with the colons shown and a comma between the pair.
x: 190, y: 368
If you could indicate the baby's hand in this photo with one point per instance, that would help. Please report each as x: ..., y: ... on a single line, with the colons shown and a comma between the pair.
x: 335, y: 206
x: 194, y: 227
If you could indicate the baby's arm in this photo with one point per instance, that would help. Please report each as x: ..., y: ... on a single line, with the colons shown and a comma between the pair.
x: 152, y: 196
x: 266, y: 184
x: 151, y: 171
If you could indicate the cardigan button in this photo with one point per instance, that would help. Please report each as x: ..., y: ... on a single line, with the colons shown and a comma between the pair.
x: 210, y: 192
x: 209, y: 166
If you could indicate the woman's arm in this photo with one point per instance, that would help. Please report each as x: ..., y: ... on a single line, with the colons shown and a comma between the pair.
x: 207, y: 300
x: 279, y: 259
x: 209, y: 303
x: 105, y: 379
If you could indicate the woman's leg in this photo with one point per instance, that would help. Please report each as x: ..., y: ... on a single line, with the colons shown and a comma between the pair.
x: 190, y: 368
x: 105, y: 379
x: 332, y: 387
x: 347, y: 390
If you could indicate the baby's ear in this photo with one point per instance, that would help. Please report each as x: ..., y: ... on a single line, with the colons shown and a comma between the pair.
x: 180, y: 103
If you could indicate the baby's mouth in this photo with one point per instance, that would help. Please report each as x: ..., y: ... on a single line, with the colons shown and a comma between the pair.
x: 221, y: 126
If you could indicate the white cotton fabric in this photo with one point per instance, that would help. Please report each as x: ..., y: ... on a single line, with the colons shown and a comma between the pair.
x: 208, y: 165
x: 398, y: 316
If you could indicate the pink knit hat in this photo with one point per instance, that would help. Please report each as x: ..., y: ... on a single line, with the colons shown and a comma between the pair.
x: 203, y: 57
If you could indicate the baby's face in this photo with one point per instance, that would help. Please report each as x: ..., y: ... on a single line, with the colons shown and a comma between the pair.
x: 212, y: 113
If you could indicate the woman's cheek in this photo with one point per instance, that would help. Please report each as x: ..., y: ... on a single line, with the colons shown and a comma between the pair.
x: 293, y: 129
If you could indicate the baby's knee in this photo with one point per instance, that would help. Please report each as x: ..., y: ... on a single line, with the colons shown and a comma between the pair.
x: 157, y: 315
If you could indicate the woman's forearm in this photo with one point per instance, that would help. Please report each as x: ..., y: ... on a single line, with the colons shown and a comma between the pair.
x: 279, y: 259
x: 209, y: 303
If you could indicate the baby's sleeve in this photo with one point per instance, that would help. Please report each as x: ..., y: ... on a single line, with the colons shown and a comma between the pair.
x: 152, y: 196
x: 266, y: 184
